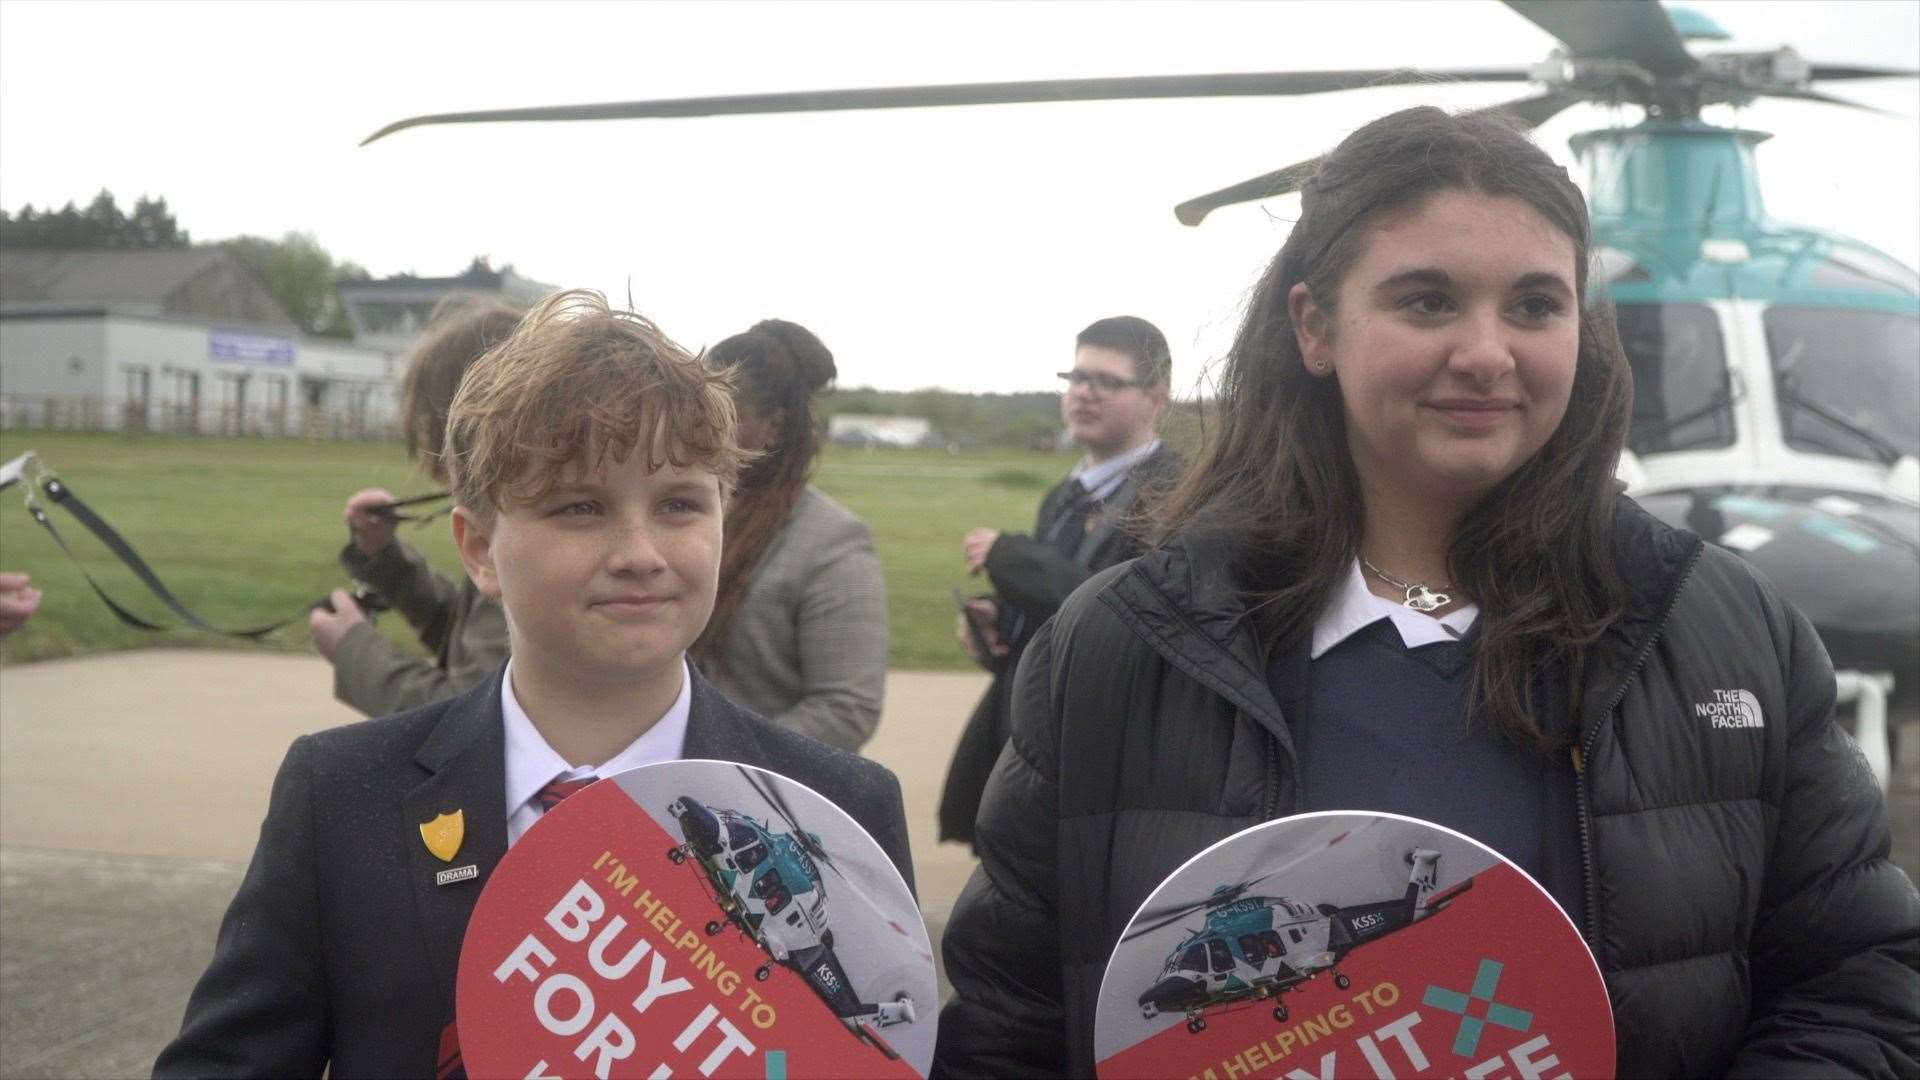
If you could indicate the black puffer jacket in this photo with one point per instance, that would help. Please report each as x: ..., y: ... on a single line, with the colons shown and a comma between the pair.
x: 1738, y: 891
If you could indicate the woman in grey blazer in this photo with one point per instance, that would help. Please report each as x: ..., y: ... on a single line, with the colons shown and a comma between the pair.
x: 799, y: 629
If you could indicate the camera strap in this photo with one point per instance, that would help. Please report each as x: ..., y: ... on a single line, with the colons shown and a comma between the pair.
x: 61, y: 494
x: 392, y: 510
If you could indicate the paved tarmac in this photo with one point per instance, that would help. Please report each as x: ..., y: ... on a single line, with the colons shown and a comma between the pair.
x: 131, y: 790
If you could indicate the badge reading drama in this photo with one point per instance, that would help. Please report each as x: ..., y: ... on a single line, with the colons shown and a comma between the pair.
x: 696, y: 918
x: 1352, y: 945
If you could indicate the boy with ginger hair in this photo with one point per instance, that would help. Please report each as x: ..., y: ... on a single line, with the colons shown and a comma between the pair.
x: 591, y: 459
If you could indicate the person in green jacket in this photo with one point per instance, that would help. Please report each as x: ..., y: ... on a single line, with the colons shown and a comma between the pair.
x: 465, y: 632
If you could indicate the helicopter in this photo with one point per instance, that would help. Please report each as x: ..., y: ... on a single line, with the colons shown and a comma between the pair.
x: 768, y: 885
x: 1776, y: 366
x: 1256, y: 948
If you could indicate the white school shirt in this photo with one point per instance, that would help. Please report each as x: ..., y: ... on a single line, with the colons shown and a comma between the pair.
x: 532, y: 764
x: 1105, y: 478
x: 1353, y: 607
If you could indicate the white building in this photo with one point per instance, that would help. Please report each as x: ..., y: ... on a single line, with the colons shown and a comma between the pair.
x: 175, y: 339
x: 391, y: 313
x: 850, y: 429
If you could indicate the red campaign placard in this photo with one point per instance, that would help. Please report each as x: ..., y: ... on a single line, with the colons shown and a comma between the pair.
x: 601, y: 946
x: 1352, y: 945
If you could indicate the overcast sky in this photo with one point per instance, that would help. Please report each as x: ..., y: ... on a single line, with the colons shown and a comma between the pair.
x: 952, y: 247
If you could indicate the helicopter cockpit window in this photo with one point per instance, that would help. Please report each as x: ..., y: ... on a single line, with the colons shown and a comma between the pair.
x: 1862, y: 270
x: 1221, y: 956
x: 1847, y: 381
x: 750, y: 856
x: 1682, y: 396
x: 1194, y: 959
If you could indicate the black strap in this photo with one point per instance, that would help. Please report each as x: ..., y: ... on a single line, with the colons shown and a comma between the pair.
x: 391, y: 510
x: 61, y: 495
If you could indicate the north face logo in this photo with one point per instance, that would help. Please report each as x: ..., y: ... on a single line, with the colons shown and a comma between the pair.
x: 1731, y: 709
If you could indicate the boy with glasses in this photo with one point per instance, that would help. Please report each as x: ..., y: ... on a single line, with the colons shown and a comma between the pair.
x: 1114, y: 397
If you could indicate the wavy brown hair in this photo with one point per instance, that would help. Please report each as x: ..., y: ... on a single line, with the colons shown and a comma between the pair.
x: 578, y: 385
x: 1274, y: 476
x: 777, y: 368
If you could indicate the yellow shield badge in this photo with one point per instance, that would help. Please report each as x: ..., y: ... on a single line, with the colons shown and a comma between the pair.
x: 443, y: 835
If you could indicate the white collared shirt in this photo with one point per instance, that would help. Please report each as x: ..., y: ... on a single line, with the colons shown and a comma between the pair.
x: 1353, y: 607
x: 532, y: 764
x: 1105, y: 478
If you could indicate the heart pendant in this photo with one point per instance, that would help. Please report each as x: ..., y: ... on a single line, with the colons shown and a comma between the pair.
x: 1421, y: 598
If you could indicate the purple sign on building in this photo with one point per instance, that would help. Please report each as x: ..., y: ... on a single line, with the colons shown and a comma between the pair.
x: 236, y: 347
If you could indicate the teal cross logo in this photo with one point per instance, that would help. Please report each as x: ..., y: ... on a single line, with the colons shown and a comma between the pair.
x: 1478, y: 1008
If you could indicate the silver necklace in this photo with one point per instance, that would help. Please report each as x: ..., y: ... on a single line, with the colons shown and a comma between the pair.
x: 1419, y: 597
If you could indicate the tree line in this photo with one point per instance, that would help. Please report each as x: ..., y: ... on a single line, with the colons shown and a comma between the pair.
x: 299, y: 272
x: 302, y: 275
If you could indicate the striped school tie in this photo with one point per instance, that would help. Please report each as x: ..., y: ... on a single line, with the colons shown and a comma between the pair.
x: 557, y: 792
x: 451, y: 1067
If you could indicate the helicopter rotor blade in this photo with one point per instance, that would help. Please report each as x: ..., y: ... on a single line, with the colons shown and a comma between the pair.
x: 1256, y: 84
x: 1171, y: 918
x: 800, y: 835
x: 1277, y: 182
x: 775, y: 800
x: 1825, y: 72
x: 1167, y: 915
x: 1536, y: 110
x: 1533, y: 111
x: 1635, y: 30
x: 1828, y: 99
x: 1164, y: 915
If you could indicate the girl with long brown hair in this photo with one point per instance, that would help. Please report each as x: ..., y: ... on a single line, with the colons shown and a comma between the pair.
x: 1400, y: 577
x: 799, y: 629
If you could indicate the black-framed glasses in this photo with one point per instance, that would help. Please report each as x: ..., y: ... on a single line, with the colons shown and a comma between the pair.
x: 1098, y: 380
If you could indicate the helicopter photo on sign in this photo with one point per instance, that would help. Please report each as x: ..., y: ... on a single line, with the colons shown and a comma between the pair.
x: 697, y: 915
x: 1305, y: 944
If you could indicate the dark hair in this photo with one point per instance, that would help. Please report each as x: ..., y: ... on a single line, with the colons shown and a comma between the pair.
x: 777, y: 367
x: 1140, y: 340
x: 460, y: 330
x: 1274, y: 477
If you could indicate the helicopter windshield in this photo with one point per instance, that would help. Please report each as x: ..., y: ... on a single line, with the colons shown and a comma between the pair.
x: 1194, y: 959
x: 1848, y: 381
x: 749, y: 850
x: 1682, y: 397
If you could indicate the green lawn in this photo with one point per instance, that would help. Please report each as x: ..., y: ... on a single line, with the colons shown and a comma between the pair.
x: 246, y: 531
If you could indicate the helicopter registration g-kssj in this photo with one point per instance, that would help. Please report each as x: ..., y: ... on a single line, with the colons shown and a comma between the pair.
x: 1776, y: 367
x: 1256, y: 948
x: 769, y: 886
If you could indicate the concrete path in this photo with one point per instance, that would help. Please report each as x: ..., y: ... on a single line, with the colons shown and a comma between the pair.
x: 132, y: 787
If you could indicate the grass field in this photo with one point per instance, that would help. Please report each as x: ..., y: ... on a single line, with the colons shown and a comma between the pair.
x: 246, y: 531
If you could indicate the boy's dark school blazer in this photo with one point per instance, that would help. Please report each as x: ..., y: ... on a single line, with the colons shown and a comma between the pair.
x: 339, y: 948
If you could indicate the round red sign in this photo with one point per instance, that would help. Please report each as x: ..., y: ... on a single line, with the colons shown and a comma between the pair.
x: 696, y: 918
x: 1352, y: 945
